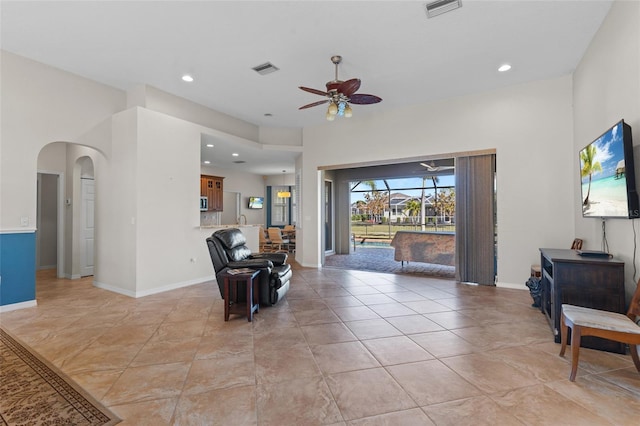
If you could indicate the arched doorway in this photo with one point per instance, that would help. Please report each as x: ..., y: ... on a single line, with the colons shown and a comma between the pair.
x: 65, y: 209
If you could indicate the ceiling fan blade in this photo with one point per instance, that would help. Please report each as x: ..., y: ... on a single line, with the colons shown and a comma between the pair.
x: 362, y: 99
x: 314, y: 91
x: 349, y: 87
x: 429, y: 167
x: 314, y: 104
x: 433, y: 168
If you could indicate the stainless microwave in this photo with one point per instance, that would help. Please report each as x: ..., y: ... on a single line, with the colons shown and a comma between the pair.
x: 204, y: 204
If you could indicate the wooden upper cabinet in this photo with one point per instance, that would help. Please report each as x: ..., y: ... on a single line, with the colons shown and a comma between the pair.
x: 211, y: 187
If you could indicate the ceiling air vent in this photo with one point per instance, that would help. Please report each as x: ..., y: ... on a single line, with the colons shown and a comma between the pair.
x: 266, y: 68
x: 439, y: 7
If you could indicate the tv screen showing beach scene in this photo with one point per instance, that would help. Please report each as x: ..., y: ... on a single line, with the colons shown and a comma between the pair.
x: 607, y: 175
x: 256, y: 202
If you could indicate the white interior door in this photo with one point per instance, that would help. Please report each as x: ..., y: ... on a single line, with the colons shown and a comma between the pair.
x: 87, y: 225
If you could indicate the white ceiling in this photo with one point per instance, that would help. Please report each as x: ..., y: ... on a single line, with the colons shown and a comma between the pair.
x: 245, y: 156
x: 397, y: 52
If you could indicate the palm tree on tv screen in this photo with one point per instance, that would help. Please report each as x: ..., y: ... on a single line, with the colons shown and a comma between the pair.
x: 589, y: 167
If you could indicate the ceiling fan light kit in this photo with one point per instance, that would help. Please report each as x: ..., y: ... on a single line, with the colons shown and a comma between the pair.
x: 339, y: 94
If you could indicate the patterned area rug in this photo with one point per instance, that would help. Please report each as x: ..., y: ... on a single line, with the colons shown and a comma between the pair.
x: 33, y: 392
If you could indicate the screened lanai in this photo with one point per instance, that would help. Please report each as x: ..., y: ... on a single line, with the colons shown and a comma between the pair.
x: 365, y: 207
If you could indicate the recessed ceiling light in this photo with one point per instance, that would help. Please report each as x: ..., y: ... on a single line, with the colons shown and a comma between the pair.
x: 187, y: 78
x: 235, y: 154
x: 268, y: 114
x: 209, y: 145
x: 505, y: 67
x: 207, y: 162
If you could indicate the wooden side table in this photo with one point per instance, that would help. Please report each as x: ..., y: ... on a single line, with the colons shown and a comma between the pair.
x: 231, y: 281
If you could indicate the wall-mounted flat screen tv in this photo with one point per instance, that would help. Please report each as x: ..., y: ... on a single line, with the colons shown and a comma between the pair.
x: 256, y: 202
x: 607, y: 175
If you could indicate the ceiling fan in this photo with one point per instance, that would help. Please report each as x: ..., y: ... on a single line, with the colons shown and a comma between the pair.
x: 340, y: 94
x: 433, y: 168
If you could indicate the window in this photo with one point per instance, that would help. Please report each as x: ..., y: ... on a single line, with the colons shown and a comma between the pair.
x: 279, y: 207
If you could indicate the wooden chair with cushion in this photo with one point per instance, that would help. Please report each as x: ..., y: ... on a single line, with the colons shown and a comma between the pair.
x: 289, y: 233
x: 265, y: 245
x: 278, y: 242
x: 607, y: 325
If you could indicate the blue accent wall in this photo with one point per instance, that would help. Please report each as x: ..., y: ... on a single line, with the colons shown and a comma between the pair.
x: 17, y: 268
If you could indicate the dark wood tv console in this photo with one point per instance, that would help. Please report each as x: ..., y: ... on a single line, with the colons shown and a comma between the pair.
x: 592, y: 282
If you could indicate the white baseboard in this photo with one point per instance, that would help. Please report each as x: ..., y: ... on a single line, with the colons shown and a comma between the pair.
x: 114, y: 289
x: 136, y: 294
x: 512, y: 286
x: 20, y: 305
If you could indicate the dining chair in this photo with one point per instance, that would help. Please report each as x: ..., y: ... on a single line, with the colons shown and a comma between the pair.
x: 265, y: 245
x: 607, y: 325
x: 289, y: 232
x: 275, y: 236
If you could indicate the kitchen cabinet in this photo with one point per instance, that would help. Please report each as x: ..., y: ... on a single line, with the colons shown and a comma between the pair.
x: 212, y: 187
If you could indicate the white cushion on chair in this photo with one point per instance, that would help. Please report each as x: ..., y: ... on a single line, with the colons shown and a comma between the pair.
x: 595, y: 318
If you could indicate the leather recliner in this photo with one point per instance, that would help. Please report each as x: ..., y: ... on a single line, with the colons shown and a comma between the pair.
x: 228, y: 250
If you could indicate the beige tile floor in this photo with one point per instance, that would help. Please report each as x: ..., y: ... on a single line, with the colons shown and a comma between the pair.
x: 343, y: 348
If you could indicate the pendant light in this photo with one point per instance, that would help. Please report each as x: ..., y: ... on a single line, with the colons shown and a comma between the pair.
x: 284, y: 193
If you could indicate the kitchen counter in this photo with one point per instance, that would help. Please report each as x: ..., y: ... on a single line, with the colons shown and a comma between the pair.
x: 250, y: 231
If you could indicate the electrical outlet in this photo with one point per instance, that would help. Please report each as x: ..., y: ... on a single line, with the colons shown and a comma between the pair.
x: 24, y: 221
x: 193, y: 260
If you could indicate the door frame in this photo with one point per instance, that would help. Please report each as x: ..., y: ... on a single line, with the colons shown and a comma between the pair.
x: 61, y: 216
x: 332, y: 216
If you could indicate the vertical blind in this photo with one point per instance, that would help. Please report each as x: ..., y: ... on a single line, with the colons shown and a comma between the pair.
x: 475, y: 219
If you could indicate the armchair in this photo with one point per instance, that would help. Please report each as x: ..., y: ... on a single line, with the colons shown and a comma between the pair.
x: 228, y: 250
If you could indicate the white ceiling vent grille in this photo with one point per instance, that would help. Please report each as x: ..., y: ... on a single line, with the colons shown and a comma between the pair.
x: 439, y: 7
x: 266, y: 68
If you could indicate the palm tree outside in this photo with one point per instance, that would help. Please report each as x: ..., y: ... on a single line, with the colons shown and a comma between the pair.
x: 413, y: 207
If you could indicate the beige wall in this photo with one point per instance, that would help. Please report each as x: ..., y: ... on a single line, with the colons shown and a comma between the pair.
x: 607, y: 89
x: 40, y: 105
x: 529, y: 126
x: 154, y: 99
